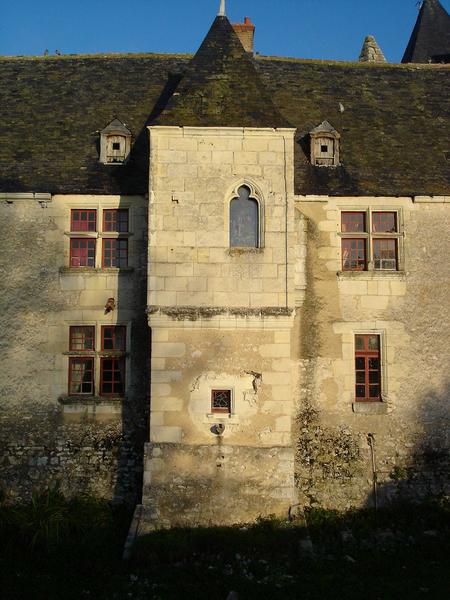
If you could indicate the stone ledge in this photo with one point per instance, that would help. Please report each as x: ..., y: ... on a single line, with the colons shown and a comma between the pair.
x: 370, y: 408
x: 370, y: 275
x: 94, y: 270
x: 192, y: 313
x: 66, y: 400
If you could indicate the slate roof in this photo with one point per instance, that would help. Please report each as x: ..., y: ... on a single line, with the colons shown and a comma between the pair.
x: 394, y: 126
x: 221, y: 87
x: 430, y: 39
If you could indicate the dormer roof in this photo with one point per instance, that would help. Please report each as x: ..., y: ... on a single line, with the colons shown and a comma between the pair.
x: 221, y: 87
x: 430, y: 39
x: 117, y: 127
x: 325, y: 128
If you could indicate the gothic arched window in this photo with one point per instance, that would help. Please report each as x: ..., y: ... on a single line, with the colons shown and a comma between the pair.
x: 244, y: 220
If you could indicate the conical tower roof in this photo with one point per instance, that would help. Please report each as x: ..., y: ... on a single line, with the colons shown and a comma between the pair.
x: 221, y: 87
x: 431, y: 35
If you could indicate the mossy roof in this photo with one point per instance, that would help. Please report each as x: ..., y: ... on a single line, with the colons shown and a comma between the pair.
x: 393, y: 119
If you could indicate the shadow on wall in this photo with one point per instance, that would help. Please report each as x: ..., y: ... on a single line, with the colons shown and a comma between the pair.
x: 39, y: 445
x: 425, y: 470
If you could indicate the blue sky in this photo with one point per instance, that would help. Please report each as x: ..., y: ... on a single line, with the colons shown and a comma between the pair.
x: 332, y: 29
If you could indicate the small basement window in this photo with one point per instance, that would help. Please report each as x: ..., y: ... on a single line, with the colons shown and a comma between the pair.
x: 221, y: 401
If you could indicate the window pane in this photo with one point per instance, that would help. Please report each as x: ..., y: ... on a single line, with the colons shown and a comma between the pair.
x: 83, y: 220
x: 353, y: 255
x: 374, y: 391
x: 359, y: 342
x: 360, y: 363
x: 360, y: 391
x: 360, y: 377
x: 81, y: 376
x: 353, y: 222
x: 115, y: 253
x: 373, y: 342
x: 385, y: 254
x: 81, y: 338
x: 374, y: 363
x: 244, y: 222
x: 384, y: 222
x: 82, y: 253
x: 115, y: 220
x: 373, y: 377
x: 113, y: 337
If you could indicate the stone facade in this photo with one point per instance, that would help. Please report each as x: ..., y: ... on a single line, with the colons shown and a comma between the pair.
x: 93, y: 443
x: 221, y: 318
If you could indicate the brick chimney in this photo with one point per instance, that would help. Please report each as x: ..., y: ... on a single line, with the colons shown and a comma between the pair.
x: 246, y: 33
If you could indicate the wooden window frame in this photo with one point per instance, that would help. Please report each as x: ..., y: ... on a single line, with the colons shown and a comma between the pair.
x: 225, y: 410
x: 119, y: 224
x: 83, y: 257
x: 119, y: 366
x: 72, y: 335
x: 372, y: 236
x: 82, y: 359
x: 116, y: 329
x: 367, y: 354
x: 112, y: 257
x: 74, y: 221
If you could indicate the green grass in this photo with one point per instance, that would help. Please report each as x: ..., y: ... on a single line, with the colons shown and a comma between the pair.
x: 53, y: 548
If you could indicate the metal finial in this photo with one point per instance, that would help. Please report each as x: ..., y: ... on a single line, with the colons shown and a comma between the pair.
x: 221, y: 12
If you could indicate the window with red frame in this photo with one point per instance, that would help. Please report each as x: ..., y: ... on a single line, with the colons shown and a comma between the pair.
x: 354, y: 250
x: 83, y: 220
x: 354, y: 255
x: 112, y: 376
x: 82, y: 252
x: 81, y: 338
x: 221, y: 401
x: 368, y: 368
x: 115, y: 253
x: 115, y: 220
x: 353, y: 222
x: 385, y: 250
x: 81, y: 376
x: 384, y: 222
x: 113, y: 338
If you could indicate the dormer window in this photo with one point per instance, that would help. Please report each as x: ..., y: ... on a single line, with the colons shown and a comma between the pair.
x: 115, y: 143
x: 325, y: 146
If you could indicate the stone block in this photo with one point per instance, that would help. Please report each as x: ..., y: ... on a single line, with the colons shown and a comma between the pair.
x: 168, y: 350
x: 275, y: 350
x: 164, y: 434
x: 255, y: 144
x: 276, y: 378
x: 166, y: 404
x: 222, y: 156
x: 173, y: 156
x: 160, y: 389
x: 182, y: 143
x: 283, y: 424
x: 375, y: 302
x: 245, y: 158
x: 72, y: 283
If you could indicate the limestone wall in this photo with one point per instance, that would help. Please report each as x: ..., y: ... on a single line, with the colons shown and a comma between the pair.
x: 46, y: 435
x: 409, y: 309
x: 221, y: 318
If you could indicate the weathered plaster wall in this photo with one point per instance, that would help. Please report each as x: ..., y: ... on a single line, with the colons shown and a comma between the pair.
x: 410, y: 311
x: 46, y: 436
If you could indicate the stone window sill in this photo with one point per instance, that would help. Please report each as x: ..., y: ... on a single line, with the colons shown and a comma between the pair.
x: 238, y: 250
x: 369, y: 275
x: 90, y: 400
x: 370, y: 408
x: 109, y: 270
x: 221, y: 418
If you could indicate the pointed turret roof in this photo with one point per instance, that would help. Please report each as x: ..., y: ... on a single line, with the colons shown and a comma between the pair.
x: 430, y: 38
x: 371, y: 51
x: 221, y: 87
